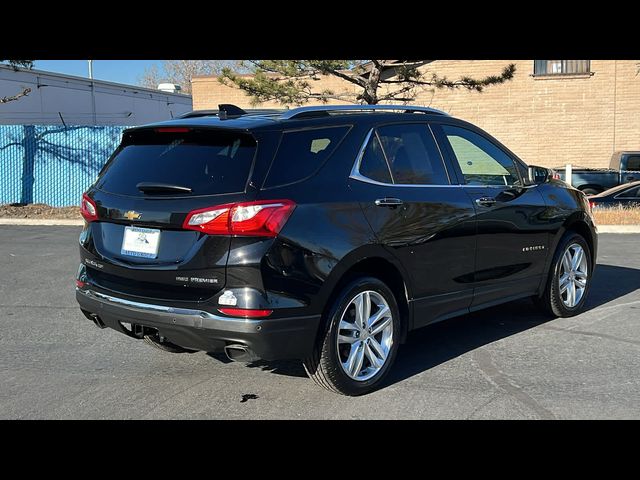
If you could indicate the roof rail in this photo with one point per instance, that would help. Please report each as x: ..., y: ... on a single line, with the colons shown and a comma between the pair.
x: 321, y: 110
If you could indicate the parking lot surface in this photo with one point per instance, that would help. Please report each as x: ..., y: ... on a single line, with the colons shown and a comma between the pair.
x: 508, y: 362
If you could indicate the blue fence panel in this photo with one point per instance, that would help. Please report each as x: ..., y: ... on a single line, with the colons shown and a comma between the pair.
x: 52, y: 164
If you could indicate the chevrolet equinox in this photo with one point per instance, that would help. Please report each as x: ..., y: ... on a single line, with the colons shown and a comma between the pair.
x: 323, y: 234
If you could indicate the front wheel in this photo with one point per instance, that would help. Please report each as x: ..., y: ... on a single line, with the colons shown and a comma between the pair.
x: 569, y: 279
x: 360, y: 340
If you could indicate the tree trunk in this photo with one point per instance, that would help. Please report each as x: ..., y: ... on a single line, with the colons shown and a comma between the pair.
x: 29, y: 147
x: 370, y: 94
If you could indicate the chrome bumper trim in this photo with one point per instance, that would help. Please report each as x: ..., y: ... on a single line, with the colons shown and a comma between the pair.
x: 152, y: 308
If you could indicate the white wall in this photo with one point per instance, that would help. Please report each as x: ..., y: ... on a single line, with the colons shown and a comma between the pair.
x: 54, y: 94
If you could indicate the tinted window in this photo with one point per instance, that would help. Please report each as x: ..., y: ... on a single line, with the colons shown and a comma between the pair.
x: 302, y: 153
x: 373, y: 164
x: 631, y: 193
x: 633, y: 163
x: 412, y: 154
x: 208, y: 162
x: 481, y: 161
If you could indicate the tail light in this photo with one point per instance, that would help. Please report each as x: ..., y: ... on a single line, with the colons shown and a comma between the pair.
x: 592, y: 205
x: 88, y: 209
x: 264, y: 218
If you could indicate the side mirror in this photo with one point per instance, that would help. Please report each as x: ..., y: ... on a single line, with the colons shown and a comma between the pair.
x: 538, y: 175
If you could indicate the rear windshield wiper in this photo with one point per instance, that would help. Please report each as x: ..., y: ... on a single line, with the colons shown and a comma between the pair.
x: 152, y: 187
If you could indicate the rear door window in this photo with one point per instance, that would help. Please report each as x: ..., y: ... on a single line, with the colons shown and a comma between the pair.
x: 301, y: 153
x: 208, y: 162
x: 413, y: 155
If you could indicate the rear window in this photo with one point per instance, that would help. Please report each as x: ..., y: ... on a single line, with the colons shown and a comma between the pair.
x: 301, y: 153
x: 633, y: 163
x: 206, y: 161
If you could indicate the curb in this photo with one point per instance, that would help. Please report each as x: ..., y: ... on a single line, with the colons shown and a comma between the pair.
x: 618, y: 228
x: 39, y: 221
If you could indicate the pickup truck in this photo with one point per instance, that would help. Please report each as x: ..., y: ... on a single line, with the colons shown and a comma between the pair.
x: 623, y: 168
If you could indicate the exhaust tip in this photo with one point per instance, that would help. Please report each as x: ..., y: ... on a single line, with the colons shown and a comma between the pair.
x: 94, y: 318
x: 240, y: 353
x: 97, y: 322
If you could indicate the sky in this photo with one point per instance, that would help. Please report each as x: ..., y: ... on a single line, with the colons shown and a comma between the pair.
x: 121, y: 71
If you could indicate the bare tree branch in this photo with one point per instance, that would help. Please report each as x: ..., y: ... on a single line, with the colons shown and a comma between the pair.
x: 180, y: 72
x: 24, y: 93
x: 12, y: 144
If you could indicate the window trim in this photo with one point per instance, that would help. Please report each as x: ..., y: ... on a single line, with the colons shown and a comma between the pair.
x: 355, y: 170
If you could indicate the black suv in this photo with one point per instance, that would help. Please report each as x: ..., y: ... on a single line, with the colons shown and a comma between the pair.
x: 323, y: 234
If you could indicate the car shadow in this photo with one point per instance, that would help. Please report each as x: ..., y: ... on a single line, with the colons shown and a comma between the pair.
x: 611, y: 282
x: 434, y: 344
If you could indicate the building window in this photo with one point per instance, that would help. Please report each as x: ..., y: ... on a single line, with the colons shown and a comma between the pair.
x: 561, y: 67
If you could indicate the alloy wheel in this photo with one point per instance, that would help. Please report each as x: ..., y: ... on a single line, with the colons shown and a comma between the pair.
x: 365, y: 335
x: 573, y: 276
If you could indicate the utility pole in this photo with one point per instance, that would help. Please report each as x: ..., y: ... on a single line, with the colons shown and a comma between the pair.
x: 93, y: 91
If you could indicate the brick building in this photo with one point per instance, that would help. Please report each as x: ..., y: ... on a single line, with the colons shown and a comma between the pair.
x: 551, y: 113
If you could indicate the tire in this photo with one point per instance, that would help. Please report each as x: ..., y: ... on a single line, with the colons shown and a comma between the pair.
x: 555, y: 301
x: 591, y: 191
x: 325, y: 364
x: 154, y: 341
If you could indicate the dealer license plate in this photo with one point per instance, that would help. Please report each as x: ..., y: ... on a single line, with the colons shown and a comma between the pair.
x: 140, y: 242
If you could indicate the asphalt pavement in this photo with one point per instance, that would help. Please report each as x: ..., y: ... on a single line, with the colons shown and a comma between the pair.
x: 508, y: 362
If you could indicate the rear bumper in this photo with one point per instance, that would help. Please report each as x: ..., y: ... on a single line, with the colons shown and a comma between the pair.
x: 269, y: 339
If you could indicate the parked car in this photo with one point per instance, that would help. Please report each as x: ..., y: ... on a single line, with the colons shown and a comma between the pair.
x: 624, y: 167
x: 627, y: 195
x: 324, y: 234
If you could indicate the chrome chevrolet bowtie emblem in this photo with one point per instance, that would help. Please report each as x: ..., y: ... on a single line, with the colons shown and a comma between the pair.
x: 131, y: 215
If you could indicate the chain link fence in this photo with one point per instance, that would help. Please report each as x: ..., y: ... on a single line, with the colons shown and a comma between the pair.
x: 52, y: 164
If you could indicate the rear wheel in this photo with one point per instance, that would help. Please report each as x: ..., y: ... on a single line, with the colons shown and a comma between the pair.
x: 156, y: 342
x: 569, y: 279
x: 591, y: 191
x: 360, y: 341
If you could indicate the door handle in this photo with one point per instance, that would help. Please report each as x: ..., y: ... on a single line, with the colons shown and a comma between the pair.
x: 388, y: 202
x: 486, y: 201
